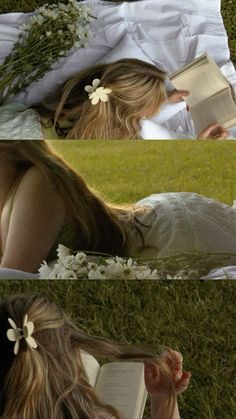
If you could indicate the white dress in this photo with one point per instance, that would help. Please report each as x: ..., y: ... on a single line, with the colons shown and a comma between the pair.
x: 184, y: 222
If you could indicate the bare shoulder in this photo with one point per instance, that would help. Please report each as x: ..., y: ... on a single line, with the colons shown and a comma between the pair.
x: 34, y: 183
x: 36, y: 191
x: 33, y: 176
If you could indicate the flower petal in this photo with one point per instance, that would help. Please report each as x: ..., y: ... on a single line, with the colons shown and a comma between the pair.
x: 95, y: 100
x: 11, y: 335
x: 30, y: 328
x: 89, y: 89
x: 96, y: 83
x: 104, y: 98
x: 31, y: 342
x: 25, y: 320
x: 12, y: 323
x: 16, y: 347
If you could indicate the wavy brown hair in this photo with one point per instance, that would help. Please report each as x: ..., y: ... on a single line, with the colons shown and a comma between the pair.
x: 138, y: 91
x: 101, y: 227
x: 50, y: 382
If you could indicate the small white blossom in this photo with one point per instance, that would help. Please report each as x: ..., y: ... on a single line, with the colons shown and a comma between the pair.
x: 96, y: 274
x: 62, y: 251
x: 44, y: 270
x: 62, y: 6
x: 71, y: 27
x: 114, y: 269
x: 80, y: 257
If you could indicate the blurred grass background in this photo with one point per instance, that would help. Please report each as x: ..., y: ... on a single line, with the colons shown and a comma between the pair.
x: 228, y: 8
x: 195, y: 317
x: 126, y: 171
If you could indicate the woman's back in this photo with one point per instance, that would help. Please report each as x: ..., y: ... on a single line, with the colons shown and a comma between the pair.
x: 185, y: 222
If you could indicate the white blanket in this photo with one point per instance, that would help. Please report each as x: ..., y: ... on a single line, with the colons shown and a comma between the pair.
x: 228, y: 272
x: 16, y: 274
x: 168, y: 33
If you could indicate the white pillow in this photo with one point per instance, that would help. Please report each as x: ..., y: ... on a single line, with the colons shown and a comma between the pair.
x: 126, y: 48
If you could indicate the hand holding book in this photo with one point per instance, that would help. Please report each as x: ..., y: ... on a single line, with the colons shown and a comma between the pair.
x: 176, y: 96
x: 214, y: 131
x: 211, y: 99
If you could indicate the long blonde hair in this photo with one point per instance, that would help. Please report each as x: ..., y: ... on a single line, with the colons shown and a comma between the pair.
x: 137, y: 91
x: 100, y: 226
x: 50, y: 381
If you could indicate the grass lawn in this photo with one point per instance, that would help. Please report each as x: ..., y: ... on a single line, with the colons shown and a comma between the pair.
x: 228, y: 12
x: 126, y: 171
x: 196, y: 317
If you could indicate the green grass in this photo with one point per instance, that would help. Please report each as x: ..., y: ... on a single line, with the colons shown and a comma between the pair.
x: 195, y: 317
x: 228, y: 12
x: 126, y: 171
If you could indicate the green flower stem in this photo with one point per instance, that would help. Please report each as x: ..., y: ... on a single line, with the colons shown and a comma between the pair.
x: 32, y: 57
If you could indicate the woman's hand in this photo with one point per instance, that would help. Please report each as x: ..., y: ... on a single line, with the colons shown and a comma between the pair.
x: 176, y: 96
x: 157, y: 384
x: 213, y: 131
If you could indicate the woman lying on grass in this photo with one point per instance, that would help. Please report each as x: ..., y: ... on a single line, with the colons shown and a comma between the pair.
x: 44, y: 203
x: 41, y: 363
x: 106, y: 101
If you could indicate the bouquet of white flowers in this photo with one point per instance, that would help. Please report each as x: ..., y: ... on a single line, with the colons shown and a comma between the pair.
x: 72, y: 265
x: 88, y: 266
x: 46, y: 37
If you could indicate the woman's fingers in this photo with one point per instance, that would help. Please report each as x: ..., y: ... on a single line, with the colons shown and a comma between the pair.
x: 177, y: 364
x: 177, y: 96
x: 183, y: 93
x: 152, y: 378
x: 184, y: 381
x: 214, y: 131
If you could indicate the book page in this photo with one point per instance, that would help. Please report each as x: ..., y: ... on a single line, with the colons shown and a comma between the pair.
x: 202, y: 78
x: 219, y: 108
x: 203, y: 59
x: 201, y: 83
x: 91, y: 367
x: 121, y: 384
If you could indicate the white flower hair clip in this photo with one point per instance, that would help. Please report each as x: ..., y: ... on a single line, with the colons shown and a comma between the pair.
x: 97, y: 93
x: 16, y: 334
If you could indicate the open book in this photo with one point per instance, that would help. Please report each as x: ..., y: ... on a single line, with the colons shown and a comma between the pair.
x: 120, y: 384
x: 212, y: 98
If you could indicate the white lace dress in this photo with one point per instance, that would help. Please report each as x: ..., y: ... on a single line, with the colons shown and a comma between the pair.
x: 184, y: 222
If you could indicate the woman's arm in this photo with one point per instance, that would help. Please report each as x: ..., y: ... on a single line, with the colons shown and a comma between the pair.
x: 158, y: 385
x: 158, y: 409
x: 36, y: 219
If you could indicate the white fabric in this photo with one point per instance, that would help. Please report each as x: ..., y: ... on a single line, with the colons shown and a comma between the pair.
x: 185, y: 222
x: 169, y: 33
x: 228, y: 272
x: 19, y: 122
x: 16, y: 274
x: 126, y: 48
